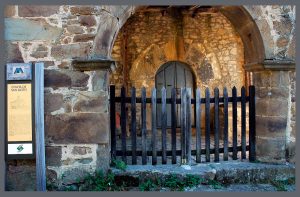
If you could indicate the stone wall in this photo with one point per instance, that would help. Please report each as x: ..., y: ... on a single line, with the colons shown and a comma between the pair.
x: 76, y: 103
x: 207, y: 42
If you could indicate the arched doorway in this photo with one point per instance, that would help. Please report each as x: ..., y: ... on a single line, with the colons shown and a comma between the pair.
x: 173, y: 74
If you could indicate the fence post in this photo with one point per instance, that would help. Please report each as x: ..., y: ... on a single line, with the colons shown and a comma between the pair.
x: 183, y: 125
x: 234, y: 123
x: 216, y: 124
x: 225, y: 94
x: 153, y: 106
x: 144, y: 128
x: 243, y: 129
x: 164, y: 125
x: 113, y: 121
x: 123, y: 123
x: 188, y: 124
x: 174, y: 122
x: 133, y: 125
x: 207, y: 125
x: 252, y: 129
x: 198, y: 126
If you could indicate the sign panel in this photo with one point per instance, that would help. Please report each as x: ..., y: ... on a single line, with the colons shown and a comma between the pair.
x: 20, y: 149
x: 19, y: 121
x: 18, y: 71
x: 19, y: 112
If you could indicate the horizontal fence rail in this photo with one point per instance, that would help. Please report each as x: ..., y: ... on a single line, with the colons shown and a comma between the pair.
x: 167, y: 144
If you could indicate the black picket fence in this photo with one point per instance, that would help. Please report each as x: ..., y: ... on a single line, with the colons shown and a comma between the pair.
x: 185, y: 102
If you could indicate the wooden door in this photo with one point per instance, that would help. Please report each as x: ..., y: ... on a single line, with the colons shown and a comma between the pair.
x: 173, y: 75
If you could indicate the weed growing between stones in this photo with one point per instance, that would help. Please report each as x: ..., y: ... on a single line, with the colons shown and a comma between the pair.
x: 282, y: 185
x: 121, y: 165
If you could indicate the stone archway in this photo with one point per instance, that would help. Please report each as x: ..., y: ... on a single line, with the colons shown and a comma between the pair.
x: 269, y: 76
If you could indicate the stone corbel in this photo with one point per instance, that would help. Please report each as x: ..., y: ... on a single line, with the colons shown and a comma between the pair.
x: 93, y: 64
x: 268, y: 64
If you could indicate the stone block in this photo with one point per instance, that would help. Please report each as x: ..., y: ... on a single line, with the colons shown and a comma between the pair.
x: 65, y: 78
x: 74, y: 29
x: 73, y: 174
x: 53, y: 155
x: 271, y: 126
x: 56, y: 79
x: 103, y: 157
x: 40, y: 52
x: 92, y: 102
x: 280, y: 93
x: 51, y: 176
x: 64, y: 65
x: 262, y: 79
x: 282, y: 42
x: 77, y: 50
x: 77, y: 128
x: 25, y: 29
x: 78, y: 150
x: 291, y: 152
x: 83, y: 37
x: 37, y: 10
x: 21, y: 176
x: 9, y: 10
x: 100, y: 80
x: 271, y: 107
x: 283, y: 27
x: 53, y: 102
x: 284, y: 78
x: 47, y: 64
x: 83, y: 10
x: 87, y: 21
x: 270, y: 149
x: 13, y: 53
x: 275, y: 77
x: 85, y: 160
x: 108, y: 25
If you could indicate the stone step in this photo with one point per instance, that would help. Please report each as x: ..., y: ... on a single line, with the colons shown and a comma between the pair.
x: 226, y: 172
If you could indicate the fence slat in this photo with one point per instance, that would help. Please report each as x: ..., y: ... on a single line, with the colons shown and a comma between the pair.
x: 174, y: 122
x: 216, y: 124
x: 144, y: 128
x: 123, y: 123
x: 164, y: 125
x: 234, y: 123
x: 225, y: 94
x: 153, y: 106
x: 252, y: 130
x: 113, y: 121
x: 133, y: 125
x: 198, y: 126
x: 183, y: 125
x: 188, y: 125
x: 243, y: 116
x: 207, y: 124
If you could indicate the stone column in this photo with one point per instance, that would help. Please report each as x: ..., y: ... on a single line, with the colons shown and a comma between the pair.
x: 273, y: 110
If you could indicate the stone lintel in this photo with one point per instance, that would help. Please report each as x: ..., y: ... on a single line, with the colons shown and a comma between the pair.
x: 93, y: 64
x: 270, y: 64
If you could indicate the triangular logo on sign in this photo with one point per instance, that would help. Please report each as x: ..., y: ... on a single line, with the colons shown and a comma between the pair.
x: 19, y: 71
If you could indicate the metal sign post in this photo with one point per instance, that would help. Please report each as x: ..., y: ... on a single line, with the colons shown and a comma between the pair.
x: 39, y: 127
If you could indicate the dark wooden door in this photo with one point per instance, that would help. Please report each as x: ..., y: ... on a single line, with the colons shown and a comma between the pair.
x: 173, y: 75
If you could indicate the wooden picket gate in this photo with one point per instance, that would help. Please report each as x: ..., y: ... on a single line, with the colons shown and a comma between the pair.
x: 185, y: 152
